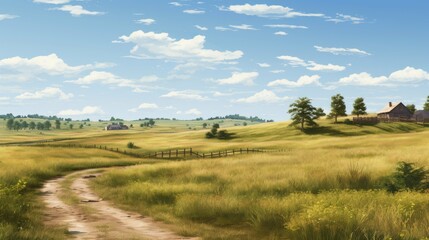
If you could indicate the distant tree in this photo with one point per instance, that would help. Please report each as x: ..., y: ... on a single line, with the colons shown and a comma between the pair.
x: 80, y: 126
x: 16, y: 126
x: 412, y: 108
x: 57, y: 124
x: 319, y: 113
x: 426, y: 105
x: 359, y: 107
x: 204, y: 125
x: 24, y: 125
x: 303, y: 113
x: 112, y: 119
x: 245, y: 124
x: 338, y: 107
x: 223, y: 134
x: 47, y: 125
x: 32, y: 125
x: 71, y: 126
x: 9, y: 123
x: 151, y: 122
x: 131, y: 126
x: 130, y: 145
x: 40, y: 126
x: 216, y: 125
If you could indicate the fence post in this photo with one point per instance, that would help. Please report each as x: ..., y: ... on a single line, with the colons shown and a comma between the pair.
x: 211, y: 154
x: 241, y: 150
x: 184, y: 152
x: 162, y: 154
x: 247, y: 150
x: 169, y: 153
x: 177, y: 153
x: 190, y: 151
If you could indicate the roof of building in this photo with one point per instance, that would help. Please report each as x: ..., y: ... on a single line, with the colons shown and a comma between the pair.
x: 388, y: 108
x: 422, y: 113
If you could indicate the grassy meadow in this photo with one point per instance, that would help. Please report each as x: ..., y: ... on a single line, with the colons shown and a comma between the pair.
x: 326, y: 184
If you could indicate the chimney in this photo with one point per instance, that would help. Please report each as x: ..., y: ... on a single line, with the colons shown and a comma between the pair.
x: 390, y: 104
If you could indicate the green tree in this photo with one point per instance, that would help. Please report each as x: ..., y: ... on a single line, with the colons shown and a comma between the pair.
x: 47, y: 125
x: 204, y: 125
x: 9, y: 124
x: 40, y: 126
x: 245, y: 124
x: 16, y: 125
x: 57, y: 124
x: 32, y: 125
x: 71, y: 126
x: 24, y: 125
x: 412, y: 108
x: 338, y: 107
x: 303, y: 113
x: 359, y: 107
x: 426, y: 105
x: 151, y: 122
x: 80, y: 126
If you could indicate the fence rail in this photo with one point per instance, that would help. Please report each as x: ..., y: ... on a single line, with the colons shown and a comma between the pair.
x: 172, y: 154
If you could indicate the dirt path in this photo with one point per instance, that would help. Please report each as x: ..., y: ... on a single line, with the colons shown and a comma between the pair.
x: 86, y: 216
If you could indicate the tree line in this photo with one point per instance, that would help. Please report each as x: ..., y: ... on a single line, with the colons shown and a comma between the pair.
x: 13, y: 124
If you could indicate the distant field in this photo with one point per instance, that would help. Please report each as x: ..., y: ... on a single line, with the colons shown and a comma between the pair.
x: 325, y: 185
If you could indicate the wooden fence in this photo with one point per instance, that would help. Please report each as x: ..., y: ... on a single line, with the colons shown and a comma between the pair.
x: 375, y: 120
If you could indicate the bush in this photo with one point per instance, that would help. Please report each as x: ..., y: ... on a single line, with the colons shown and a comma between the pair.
x: 209, y: 135
x: 407, y: 177
x: 130, y: 145
x: 348, y: 121
x: 223, y: 134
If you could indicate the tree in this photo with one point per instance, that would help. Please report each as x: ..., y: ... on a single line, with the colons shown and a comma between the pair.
x: 245, y: 124
x: 338, y: 107
x: 57, y: 124
x: 71, y: 126
x: 81, y: 126
x: 16, y: 125
x: 24, y: 125
x: 359, y: 107
x: 151, y: 122
x: 9, y: 124
x: 32, y: 126
x: 303, y: 113
x: 412, y: 108
x: 40, y: 126
x: 47, y: 125
x: 426, y: 105
x: 204, y: 125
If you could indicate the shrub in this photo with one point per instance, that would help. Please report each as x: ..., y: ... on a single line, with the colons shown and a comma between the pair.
x: 209, y: 135
x: 407, y: 177
x: 130, y: 145
x: 223, y: 134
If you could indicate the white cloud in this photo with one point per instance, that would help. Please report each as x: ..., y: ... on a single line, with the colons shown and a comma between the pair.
x: 223, y: 29
x: 340, y: 18
x: 187, y: 94
x: 404, y: 76
x: 50, y: 64
x: 77, y: 10
x: 176, y: 4
x: 88, y: 110
x: 245, y: 78
x: 302, y: 81
x: 146, y: 21
x: 243, y: 27
x: 341, y: 51
x: 148, y: 79
x: 192, y: 111
x: 264, y: 65
x: 271, y: 11
x: 201, y: 28
x: 144, y: 106
x: 7, y: 16
x: 52, y: 1
x: 285, y: 26
x: 264, y: 96
x: 311, y: 65
x: 49, y: 92
x: 194, y: 11
x: 277, y: 71
x: 280, y: 33
x: 150, y: 45
x: 105, y: 78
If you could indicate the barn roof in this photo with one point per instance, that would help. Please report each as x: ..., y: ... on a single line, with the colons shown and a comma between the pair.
x: 389, y: 107
x: 422, y: 114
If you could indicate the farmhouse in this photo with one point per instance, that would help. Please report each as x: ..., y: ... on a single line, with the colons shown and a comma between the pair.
x: 421, y: 116
x: 116, y: 127
x: 394, y: 111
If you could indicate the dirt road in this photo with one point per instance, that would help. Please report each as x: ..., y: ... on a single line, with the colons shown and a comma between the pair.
x: 71, y: 203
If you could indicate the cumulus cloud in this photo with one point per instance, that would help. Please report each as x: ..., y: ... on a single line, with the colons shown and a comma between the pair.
x: 176, y: 4
x: 187, y: 94
x: 146, y: 21
x: 264, y: 96
x: 105, y: 78
x: 311, y: 65
x: 192, y: 111
x: 243, y: 27
x: 194, y: 11
x: 341, y: 51
x: 144, y: 106
x: 404, y: 76
x: 7, y: 16
x: 280, y: 33
x: 245, y: 78
x: 150, y: 45
x: 50, y: 64
x: 52, y: 1
x: 49, y: 92
x: 341, y: 18
x: 88, y: 110
x: 285, y: 26
x: 77, y: 10
x: 264, y: 65
x: 201, y: 28
x: 270, y: 11
x: 302, y: 81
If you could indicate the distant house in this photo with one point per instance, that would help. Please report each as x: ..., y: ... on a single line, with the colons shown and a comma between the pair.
x: 421, y: 116
x: 395, y: 111
x: 116, y: 127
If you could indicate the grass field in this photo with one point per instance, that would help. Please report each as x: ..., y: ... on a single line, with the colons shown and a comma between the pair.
x: 326, y: 185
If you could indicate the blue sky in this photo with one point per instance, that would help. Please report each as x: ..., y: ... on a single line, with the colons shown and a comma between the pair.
x: 187, y: 59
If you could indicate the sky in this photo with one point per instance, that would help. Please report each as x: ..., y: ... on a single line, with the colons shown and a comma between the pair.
x: 186, y: 59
